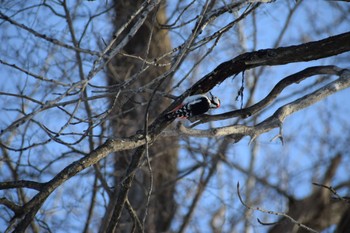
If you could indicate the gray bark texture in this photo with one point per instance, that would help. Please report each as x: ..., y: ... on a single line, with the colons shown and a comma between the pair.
x: 149, y: 43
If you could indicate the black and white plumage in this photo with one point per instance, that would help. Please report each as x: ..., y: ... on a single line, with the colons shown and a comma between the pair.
x: 194, y: 105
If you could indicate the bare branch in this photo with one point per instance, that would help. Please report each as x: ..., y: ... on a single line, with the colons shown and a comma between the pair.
x: 137, y: 222
x: 21, y: 184
x: 336, y: 195
x: 12, y: 206
x: 276, y: 120
x: 45, y: 37
x: 277, y: 89
x: 272, y: 212
x: 278, y: 56
x: 331, y: 46
x: 34, y: 75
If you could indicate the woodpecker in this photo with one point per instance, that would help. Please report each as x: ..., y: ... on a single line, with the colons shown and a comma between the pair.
x: 194, y: 105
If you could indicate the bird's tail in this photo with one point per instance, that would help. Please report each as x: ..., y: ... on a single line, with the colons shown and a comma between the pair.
x: 175, y: 113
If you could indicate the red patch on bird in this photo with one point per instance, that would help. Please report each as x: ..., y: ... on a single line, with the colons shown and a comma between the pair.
x: 178, y: 107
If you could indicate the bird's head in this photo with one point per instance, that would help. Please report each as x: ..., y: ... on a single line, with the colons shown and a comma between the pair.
x: 214, y: 101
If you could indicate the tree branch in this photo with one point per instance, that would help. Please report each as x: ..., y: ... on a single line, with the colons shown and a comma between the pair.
x: 21, y: 184
x: 276, y: 120
x: 273, y: 212
x: 328, y: 47
x: 45, y: 37
x: 12, y: 206
x: 277, y: 89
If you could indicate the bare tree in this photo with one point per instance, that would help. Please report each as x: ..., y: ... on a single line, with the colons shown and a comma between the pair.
x: 151, y: 196
x: 85, y: 144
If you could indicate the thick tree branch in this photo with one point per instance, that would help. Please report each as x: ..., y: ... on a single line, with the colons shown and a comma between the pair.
x: 277, y: 118
x: 30, y: 209
x: 277, y: 89
x: 328, y: 47
x: 21, y: 184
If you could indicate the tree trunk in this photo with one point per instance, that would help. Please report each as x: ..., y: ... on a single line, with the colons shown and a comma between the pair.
x: 149, y: 43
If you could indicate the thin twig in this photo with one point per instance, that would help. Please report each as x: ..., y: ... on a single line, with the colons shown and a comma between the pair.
x: 273, y: 212
x: 332, y: 190
x: 133, y: 214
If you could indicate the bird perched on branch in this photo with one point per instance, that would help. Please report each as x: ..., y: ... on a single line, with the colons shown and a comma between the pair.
x: 194, y: 105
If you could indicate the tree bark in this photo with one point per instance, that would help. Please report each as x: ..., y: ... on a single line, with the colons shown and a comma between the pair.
x: 149, y: 43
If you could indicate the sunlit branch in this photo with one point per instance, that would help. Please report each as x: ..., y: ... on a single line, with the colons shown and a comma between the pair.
x: 271, y: 97
x: 276, y: 120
